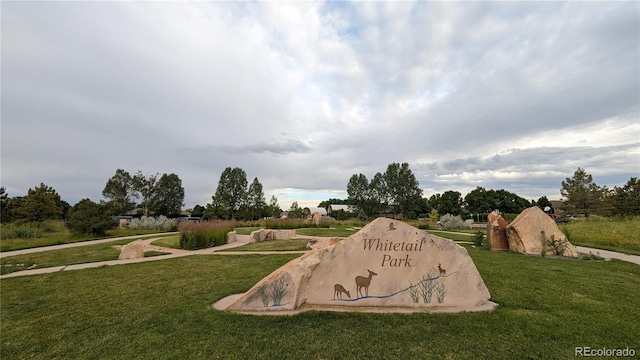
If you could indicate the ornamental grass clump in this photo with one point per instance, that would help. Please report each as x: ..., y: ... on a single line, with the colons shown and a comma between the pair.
x: 279, y: 224
x: 150, y: 223
x: 449, y: 221
x: 204, y: 234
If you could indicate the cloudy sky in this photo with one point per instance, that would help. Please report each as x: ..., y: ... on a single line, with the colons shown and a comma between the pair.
x: 504, y: 95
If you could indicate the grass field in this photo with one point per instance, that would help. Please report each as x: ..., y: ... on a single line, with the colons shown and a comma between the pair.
x: 71, y: 256
x: 162, y: 310
x: 274, y: 245
x: 58, y: 235
x: 617, y: 235
x: 168, y: 241
x: 328, y: 232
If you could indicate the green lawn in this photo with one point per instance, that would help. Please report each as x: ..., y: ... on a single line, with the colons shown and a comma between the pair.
x: 451, y: 236
x: 162, y: 310
x: 274, y: 245
x: 327, y: 232
x: 62, y: 236
x: 168, y: 241
x: 75, y: 255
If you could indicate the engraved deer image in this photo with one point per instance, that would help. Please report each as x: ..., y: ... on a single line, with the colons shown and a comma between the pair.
x: 443, y: 272
x: 338, y: 290
x: 363, y: 282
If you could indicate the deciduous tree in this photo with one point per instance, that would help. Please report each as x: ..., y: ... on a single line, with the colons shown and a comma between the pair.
x: 255, y: 198
x: 146, y: 188
x: 274, y: 209
x: 295, y: 211
x: 120, y: 193
x: 358, y: 191
x: 403, y: 188
x: 450, y: 203
x: 231, y: 192
x: 168, y: 196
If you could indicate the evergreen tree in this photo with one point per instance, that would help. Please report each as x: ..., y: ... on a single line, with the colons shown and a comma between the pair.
x: 41, y: 203
x: 626, y: 199
x: 581, y: 194
x: 87, y: 217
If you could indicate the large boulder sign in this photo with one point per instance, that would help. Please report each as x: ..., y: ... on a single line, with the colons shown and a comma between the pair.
x: 387, y: 266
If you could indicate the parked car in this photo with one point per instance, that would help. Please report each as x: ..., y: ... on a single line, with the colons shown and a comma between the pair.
x: 565, y: 219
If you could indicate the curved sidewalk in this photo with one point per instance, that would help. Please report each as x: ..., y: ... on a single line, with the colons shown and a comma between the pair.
x: 241, y: 240
x: 78, y: 244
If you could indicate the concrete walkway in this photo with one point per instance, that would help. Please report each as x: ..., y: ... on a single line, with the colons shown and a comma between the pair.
x: 172, y: 254
x: 240, y: 241
x: 77, y: 244
x: 606, y: 254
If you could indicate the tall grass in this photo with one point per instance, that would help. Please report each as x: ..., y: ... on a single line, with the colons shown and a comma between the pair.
x: 293, y: 224
x: 205, y: 234
x: 605, y: 233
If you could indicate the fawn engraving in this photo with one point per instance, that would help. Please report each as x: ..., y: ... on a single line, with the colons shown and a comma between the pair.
x: 363, y: 282
x: 443, y: 272
x: 338, y: 290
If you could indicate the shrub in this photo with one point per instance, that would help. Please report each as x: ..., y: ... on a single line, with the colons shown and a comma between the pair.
x: 89, y: 218
x: 205, y: 234
x: 449, y: 221
x: 479, y: 239
x: 150, y: 223
x: 20, y: 232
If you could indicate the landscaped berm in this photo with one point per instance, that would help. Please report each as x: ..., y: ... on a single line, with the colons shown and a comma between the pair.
x: 388, y: 266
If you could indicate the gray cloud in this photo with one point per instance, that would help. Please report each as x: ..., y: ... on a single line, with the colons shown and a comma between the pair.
x: 303, y: 95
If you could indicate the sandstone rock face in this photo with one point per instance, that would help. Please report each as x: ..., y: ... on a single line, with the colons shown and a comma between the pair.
x: 278, y: 234
x: 257, y: 236
x: 232, y: 237
x: 134, y: 250
x: 388, y: 266
x: 317, y: 218
x: 268, y: 234
x: 496, y: 233
x: 533, y: 232
x: 321, y: 243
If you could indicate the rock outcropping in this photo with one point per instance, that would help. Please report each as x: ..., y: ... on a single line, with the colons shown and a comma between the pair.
x: 387, y: 266
x: 533, y: 232
x: 496, y: 233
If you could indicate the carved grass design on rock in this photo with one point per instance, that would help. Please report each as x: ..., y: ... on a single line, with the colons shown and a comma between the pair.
x: 274, y: 292
x: 441, y: 292
x: 426, y: 288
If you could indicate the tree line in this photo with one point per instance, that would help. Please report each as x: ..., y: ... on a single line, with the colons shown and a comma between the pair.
x: 395, y: 191
x: 157, y: 195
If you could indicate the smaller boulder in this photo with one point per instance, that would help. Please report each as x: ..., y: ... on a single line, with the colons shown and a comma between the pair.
x: 496, y: 232
x: 257, y: 236
x: 231, y: 237
x: 134, y: 250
